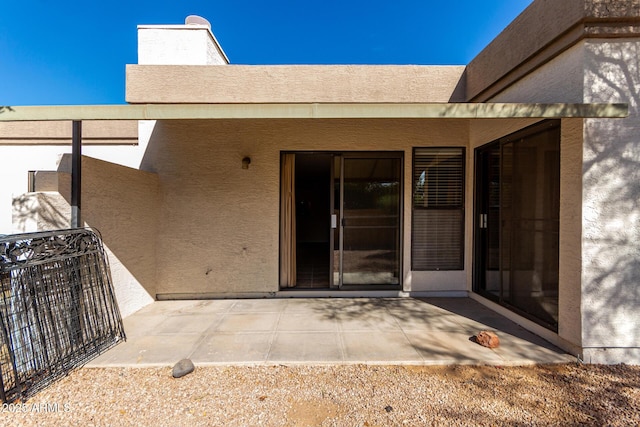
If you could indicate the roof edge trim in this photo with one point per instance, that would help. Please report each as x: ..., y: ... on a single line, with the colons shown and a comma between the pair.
x: 314, y: 111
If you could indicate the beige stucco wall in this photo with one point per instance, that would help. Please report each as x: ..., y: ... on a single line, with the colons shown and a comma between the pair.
x: 219, y: 224
x: 293, y: 83
x: 122, y: 204
x: 570, y: 250
x: 558, y: 81
x: 611, y: 209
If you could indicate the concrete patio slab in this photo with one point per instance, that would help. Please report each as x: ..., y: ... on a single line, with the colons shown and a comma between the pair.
x: 150, y: 350
x: 297, y: 321
x: 271, y: 305
x: 231, y: 348
x: 248, y: 322
x: 379, y: 347
x: 187, y: 324
x: 326, y: 306
x: 382, y: 321
x: 437, y: 322
x: 314, y: 347
x: 139, y: 325
x: 323, y: 331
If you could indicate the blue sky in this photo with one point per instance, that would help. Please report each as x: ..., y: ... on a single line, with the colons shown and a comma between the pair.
x: 74, y: 52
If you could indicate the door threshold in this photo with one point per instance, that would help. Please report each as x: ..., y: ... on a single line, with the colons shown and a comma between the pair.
x: 335, y: 293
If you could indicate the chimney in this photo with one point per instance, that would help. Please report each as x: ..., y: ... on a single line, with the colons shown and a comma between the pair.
x: 190, y: 44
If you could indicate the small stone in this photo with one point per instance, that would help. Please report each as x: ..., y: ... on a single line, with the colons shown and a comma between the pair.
x: 388, y: 408
x: 488, y: 339
x: 182, y: 368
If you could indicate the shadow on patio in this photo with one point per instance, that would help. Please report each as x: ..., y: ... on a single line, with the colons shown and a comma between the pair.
x: 324, y: 331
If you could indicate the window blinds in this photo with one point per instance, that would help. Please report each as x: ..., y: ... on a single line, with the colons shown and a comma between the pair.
x: 438, y: 208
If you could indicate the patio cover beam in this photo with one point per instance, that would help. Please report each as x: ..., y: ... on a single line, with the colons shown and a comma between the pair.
x: 76, y: 174
x: 314, y: 111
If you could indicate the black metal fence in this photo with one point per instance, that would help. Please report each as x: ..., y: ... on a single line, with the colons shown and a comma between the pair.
x: 57, y: 308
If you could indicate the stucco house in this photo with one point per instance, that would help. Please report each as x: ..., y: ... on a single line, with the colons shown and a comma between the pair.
x: 513, y: 180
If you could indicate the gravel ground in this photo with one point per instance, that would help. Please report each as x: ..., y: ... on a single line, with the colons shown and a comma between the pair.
x: 346, y: 395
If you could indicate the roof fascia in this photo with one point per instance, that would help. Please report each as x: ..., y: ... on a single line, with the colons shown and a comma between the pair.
x: 314, y: 111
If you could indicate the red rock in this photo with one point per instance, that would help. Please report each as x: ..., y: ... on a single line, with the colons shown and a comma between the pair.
x: 488, y: 339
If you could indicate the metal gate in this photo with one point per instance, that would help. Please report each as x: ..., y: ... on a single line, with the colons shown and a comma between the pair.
x: 57, y: 308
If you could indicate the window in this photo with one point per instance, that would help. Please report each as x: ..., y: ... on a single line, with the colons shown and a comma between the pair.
x: 438, y: 209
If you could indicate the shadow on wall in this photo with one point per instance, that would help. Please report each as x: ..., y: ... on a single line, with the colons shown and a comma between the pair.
x: 40, y: 211
x: 611, y: 207
x: 459, y: 93
x: 533, y: 111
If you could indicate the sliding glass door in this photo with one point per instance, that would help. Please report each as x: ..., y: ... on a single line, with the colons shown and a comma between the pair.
x: 340, y: 220
x: 517, y: 221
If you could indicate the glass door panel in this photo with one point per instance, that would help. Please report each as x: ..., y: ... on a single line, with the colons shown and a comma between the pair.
x: 488, y: 220
x: 370, y: 213
x: 336, y: 233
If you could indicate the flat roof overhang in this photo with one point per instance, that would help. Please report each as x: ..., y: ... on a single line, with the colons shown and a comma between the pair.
x: 314, y: 111
x: 79, y: 113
